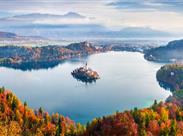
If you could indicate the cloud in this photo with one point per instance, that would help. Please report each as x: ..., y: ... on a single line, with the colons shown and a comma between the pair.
x: 163, y: 15
x: 148, y: 5
x: 37, y: 18
x: 95, y: 10
x: 48, y: 6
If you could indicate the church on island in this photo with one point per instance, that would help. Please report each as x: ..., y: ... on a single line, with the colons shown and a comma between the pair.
x: 85, y: 74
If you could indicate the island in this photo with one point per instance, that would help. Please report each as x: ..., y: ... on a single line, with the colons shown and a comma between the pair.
x: 169, y: 53
x: 85, y: 74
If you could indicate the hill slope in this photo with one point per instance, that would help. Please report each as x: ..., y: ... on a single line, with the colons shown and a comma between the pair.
x: 171, y: 76
x: 170, y: 53
x: 17, y: 119
x: 7, y: 35
x: 39, y: 57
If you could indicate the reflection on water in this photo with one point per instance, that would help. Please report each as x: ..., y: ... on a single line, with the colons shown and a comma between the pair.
x: 127, y: 81
x: 32, y: 65
x: 29, y: 66
x: 84, y: 80
x: 166, y: 86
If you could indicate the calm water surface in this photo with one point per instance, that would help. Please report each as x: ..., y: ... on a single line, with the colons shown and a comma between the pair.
x: 127, y: 81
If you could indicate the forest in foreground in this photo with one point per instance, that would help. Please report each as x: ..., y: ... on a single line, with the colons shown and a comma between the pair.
x: 18, y: 119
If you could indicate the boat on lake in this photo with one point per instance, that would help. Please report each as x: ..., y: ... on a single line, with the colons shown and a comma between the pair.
x: 85, y: 74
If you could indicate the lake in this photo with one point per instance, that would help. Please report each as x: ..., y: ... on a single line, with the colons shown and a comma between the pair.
x: 127, y: 81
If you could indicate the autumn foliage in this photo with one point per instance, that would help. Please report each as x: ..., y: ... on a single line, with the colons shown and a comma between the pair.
x: 17, y: 119
x: 162, y: 119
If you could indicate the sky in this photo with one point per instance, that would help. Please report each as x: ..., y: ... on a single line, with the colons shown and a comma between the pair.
x: 164, y: 15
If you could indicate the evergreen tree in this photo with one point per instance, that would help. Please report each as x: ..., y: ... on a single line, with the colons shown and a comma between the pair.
x: 59, y: 127
x: 173, y: 129
x: 41, y: 111
x: 2, y: 90
x: 14, y: 104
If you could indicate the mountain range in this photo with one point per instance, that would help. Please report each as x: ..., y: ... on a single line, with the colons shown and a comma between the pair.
x: 13, y: 37
x: 34, y: 16
x: 7, y: 35
x: 70, y: 25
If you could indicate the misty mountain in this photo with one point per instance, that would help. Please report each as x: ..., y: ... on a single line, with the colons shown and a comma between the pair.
x: 40, y: 16
x: 13, y: 37
x: 142, y: 31
x: 70, y: 25
x: 7, y: 35
x: 83, y: 30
